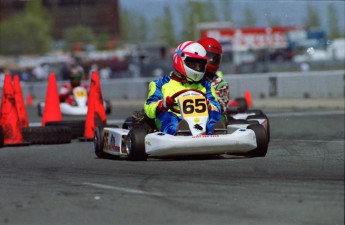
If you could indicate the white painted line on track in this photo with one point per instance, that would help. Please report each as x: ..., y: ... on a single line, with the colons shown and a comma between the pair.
x: 127, y: 190
x: 307, y: 113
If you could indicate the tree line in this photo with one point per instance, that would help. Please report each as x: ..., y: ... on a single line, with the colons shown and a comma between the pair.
x: 29, y: 32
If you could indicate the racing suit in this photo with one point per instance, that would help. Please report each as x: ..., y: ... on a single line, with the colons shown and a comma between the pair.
x: 167, y: 86
x: 222, y: 90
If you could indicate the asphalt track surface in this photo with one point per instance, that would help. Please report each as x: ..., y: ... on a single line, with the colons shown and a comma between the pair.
x: 300, y: 181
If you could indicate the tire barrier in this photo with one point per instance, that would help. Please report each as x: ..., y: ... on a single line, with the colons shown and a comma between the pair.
x: 77, y: 126
x: 47, y: 135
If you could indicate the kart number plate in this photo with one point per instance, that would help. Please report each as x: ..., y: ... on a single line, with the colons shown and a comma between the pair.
x: 80, y: 93
x: 193, y: 106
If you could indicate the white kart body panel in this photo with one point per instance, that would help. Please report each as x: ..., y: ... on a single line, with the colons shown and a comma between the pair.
x: 160, y: 144
x: 242, y: 116
x: 114, y: 141
x: 68, y: 109
x: 240, y: 141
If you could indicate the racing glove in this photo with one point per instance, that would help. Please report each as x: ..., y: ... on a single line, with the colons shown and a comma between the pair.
x: 165, y: 104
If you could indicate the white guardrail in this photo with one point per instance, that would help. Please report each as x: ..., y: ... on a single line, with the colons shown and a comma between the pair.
x: 324, y: 84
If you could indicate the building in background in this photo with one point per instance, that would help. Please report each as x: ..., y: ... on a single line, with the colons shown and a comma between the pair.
x: 103, y: 16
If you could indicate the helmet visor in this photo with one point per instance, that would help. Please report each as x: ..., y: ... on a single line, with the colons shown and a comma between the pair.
x: 214, y: 58
x: 196, y: 64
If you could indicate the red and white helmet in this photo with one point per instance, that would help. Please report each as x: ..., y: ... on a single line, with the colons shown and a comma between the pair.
x: 190, y: 60
x: 214, y: 53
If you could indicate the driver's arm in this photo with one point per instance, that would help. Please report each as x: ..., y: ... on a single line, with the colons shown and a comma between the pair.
x: 153, y: 98
x: 211, y: 96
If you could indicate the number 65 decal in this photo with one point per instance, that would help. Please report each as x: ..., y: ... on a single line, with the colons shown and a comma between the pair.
x: 193, y: 106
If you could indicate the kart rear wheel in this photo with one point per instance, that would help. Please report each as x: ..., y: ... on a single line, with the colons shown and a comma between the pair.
x: 261, y: 141
x: 128, y: 123
x: 39, y: 110
x: 135, y: 144
x: 98, y: 142
x: 108, y: 108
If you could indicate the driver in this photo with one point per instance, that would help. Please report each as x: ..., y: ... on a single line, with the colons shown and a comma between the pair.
x: 214, y: 56
x: 75, y: 77
x: 189, y: 63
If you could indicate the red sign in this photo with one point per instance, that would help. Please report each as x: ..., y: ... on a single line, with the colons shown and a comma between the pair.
x: 243, y: 39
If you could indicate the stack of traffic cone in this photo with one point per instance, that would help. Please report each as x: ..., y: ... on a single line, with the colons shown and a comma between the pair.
x: 52, y: 111
x: 248, y: 97
x: 9, y: 116
x: 96, y: 115
x: 18, y: 96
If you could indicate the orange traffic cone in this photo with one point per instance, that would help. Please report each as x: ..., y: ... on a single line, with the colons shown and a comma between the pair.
x: 248, y: 97
x: 18, y: 96
x: 96, y: 115
x: 52, y: 111
x: 8, y: 115
x: 29, y: 99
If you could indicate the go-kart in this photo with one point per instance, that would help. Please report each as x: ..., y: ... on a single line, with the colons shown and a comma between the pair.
x: 142, y: 139
x: 77, y: 107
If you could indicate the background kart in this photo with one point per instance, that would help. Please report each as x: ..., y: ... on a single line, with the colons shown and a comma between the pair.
x: 240, y: 115
x: 78, y: 107
x: 139, y: 137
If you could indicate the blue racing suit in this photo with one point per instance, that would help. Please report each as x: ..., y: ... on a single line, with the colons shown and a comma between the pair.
x: 167, y: 86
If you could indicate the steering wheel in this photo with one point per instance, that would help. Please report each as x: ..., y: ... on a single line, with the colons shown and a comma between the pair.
x: 174, y: 96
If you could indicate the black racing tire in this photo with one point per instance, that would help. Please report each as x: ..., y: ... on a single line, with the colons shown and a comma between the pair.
x: 242, y: 104
x: 77, y: 126
x: 108, y: 107
x: 268, y: 132
x: 135, y: 144
x: 39, y: 110
x: 261, y: 141
x: 98, y: 142
x: 47, y: 135
x: 1, y: 137
x: 128, y: 123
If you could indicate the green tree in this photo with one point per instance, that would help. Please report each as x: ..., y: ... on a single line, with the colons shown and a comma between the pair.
x: 77, y: 34
x: 249, y: 18
x: 134, y: 27
x: 333, y: 22
x: 193, y: 13
x: 27, y: 32
x: 313, y: 19
x: 163, y: 28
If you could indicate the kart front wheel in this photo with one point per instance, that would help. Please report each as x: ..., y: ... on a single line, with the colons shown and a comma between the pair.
x: 135, y: 145
x: 266, y: 126
x: 261, y: 141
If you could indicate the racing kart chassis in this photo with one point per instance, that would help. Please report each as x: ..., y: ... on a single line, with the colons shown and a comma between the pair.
x: 141, y: 139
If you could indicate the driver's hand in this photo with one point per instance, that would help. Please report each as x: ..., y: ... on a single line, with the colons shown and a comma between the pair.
x: 165, y: 104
